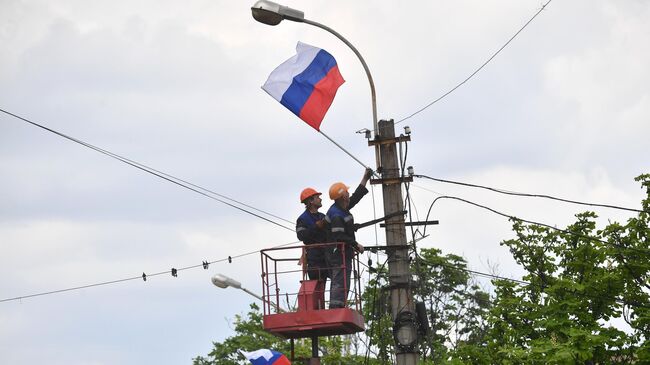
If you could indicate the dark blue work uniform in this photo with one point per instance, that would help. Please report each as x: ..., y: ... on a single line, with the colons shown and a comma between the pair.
x: 341, y: 229
x: 309, y: 234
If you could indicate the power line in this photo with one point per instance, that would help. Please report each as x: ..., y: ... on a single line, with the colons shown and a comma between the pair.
x: 537, y: 223
x: 162, y: 175
x: 517, y: 281
x: 139, y: 277
x: 478, y: 273
x: 502, y: 191
x: 478, y: 69
x: 429, y: 190
x: 374, y: 311
x: 521, y: 282
x: 408, y: 202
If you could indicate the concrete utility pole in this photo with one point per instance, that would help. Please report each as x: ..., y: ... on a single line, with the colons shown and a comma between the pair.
x: 401, y: 298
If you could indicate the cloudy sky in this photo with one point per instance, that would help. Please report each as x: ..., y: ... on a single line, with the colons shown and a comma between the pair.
x: 563, y: 110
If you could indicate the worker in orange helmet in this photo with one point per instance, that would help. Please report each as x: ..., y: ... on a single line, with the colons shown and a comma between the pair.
x: 341, y: 229
x: 310, y: 228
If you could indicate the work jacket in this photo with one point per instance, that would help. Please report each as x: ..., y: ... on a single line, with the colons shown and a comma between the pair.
x: 341, y: 221
x: 308, y: 233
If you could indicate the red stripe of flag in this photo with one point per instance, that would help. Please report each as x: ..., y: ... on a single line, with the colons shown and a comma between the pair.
x: 282, y: 360
x: 321, y: 98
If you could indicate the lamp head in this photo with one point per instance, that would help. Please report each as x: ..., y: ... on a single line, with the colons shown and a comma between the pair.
x: 271, y: 13
x: 223, y: 281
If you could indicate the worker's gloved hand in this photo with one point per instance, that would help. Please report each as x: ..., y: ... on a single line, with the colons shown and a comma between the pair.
x: 359, y: 248
x: 320, y: 224
x: 366, y: 176
x: 368, y: 173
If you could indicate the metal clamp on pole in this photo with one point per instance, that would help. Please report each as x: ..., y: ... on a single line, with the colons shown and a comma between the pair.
x: 379, y: 141
x: 385, y: 248
x: 410, y: 224
x: 390, y: 181
x: 375, y: 221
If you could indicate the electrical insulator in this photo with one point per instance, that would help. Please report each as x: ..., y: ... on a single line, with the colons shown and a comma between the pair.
x: 407, y: 130
x: 410, y: 170
x: 366, y: 132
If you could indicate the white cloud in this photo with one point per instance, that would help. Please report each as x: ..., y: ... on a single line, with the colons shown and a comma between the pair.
x: 561, y: 111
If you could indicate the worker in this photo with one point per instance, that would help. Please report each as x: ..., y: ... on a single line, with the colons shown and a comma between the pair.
x: 310, y: 228
x: 341, y: 229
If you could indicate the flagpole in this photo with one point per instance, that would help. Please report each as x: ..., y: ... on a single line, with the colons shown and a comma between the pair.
x: 373, y: 94
x: 346, y: 151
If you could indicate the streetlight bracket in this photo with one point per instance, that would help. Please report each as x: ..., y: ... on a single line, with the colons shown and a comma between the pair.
x: 379, y: 141
x: 391, y: 181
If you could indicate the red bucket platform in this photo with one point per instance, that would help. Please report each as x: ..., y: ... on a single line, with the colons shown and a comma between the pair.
x: 310, y: 319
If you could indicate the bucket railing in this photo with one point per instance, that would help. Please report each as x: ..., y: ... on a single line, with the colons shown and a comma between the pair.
x: 282, y: 278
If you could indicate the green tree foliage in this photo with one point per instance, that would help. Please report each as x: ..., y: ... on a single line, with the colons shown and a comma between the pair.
x: 376, y: 310
x: 249, y: 336
x: 581, y: 283
x: 580, y: 279
x: 456, y: 307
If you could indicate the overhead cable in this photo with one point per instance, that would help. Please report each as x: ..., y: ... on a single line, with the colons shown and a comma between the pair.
x: 502, y: 191
x: 162, y: 175
x: 645, y: 251
x: 374, y: 311
x: 517, y: 281
x: 477, y: 273
x: 480, y: 67
x: 521, y: 282
x: 173, y: 271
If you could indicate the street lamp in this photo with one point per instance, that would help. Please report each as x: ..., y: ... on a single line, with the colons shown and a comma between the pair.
x: 270, y: 13
x: 222, y: 281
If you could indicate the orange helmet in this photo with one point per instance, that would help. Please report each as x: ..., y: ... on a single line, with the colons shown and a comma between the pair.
x: 337, y: 190
x: 308, y: 193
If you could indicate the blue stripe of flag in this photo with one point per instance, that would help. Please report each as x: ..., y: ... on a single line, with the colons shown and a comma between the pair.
x: 302, y: 84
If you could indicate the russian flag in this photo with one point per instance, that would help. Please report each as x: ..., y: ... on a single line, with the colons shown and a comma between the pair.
x: 266, y: 357
x: 306, y: 83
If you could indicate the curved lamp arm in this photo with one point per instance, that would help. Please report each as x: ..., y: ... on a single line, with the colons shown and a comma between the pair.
x: 363, y: 62
x: 222, y: 281
x: 270, y: 13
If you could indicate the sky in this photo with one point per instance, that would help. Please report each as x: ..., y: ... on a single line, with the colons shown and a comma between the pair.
x: 562, y: 110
